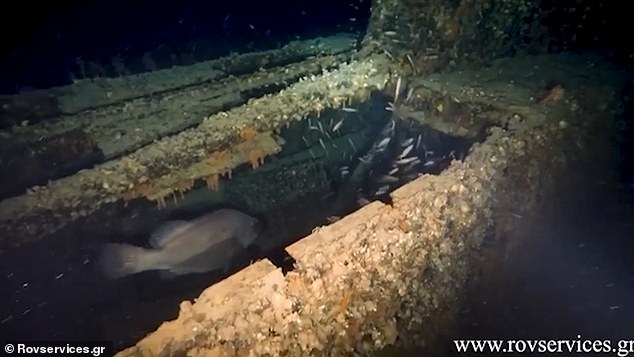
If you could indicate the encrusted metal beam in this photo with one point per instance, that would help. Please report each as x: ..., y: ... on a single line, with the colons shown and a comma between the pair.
x: 387, y: 273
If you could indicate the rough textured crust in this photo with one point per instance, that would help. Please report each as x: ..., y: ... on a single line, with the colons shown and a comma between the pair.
x: 384, y: 271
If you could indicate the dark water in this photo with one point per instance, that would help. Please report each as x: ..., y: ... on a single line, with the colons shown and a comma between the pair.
x: 566, y: 272
x: 40, y: 48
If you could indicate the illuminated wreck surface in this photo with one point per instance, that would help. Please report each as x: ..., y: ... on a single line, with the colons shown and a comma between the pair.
x: 386, y: 188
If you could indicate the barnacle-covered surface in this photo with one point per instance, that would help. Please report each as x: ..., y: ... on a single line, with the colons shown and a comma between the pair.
x: 96, y: 92
x: 120, y: 115
x: 156, y: 135
x: 170, y: 166
x: 389, y: 274
x: 425, y: 35
x: 265, y: 132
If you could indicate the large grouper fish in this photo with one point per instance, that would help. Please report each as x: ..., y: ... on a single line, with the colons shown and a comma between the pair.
x: 203, y: 244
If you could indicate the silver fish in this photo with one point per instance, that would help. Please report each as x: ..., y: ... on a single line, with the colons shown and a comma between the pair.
x: 397, y: 91
x: 410, y: 92
x: 406, y: 160
x: 352, y: 144
x: 337, y: 125
x: 407, y: 142
x: 344, y: 171
x: 382, y: 190
x: 203, y: 244
x: 383, y: 143
x: 386, y: 179
x: 406, y: 151
x: 321, y: 127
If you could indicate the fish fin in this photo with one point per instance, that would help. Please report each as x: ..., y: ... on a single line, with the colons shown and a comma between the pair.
x: 165, y: 233
x: 117, y: 260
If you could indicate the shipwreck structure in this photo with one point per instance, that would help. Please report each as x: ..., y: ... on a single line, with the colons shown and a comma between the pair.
x: 292, y: 135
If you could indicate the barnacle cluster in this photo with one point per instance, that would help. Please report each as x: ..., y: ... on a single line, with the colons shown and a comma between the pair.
x: 216, y: 165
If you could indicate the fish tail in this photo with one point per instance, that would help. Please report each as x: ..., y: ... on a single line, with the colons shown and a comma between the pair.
x: 119, y: 259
